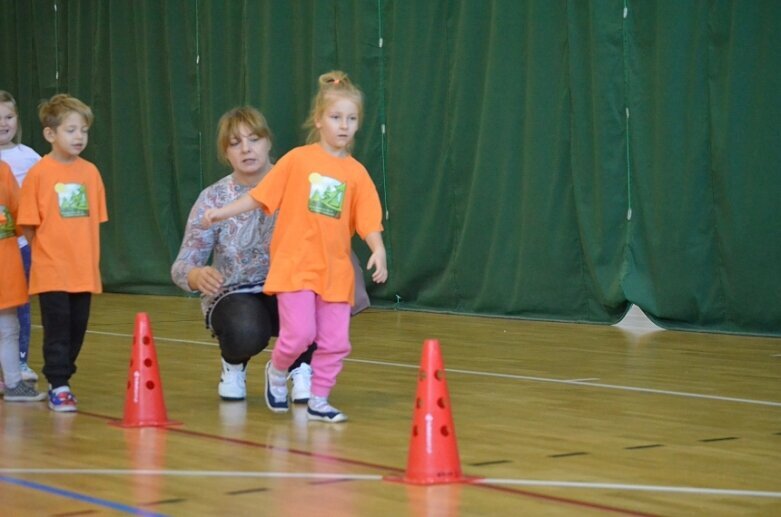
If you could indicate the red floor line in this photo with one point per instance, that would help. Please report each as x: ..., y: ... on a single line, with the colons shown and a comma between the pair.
x: 498, y: 488
x: 577, y: 502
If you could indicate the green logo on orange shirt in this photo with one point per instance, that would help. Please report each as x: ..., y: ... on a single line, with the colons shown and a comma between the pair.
x: 326, y: 195
x: 72, y: 199
x: 7, y: 227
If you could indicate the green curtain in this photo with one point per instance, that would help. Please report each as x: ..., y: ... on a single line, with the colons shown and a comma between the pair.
x: 554, y: 160
x: 705, y: 108
x: 483, y: 197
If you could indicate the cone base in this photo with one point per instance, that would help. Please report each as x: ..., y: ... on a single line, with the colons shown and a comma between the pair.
x: 127, y: 425
x: 422, y: 482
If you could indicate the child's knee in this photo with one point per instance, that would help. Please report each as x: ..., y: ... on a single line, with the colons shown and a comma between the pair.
x: 299, y: 337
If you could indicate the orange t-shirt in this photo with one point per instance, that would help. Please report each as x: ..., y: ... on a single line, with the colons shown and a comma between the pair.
x: 322, y: 200
x: 13, y: 286
x: 65, y: 202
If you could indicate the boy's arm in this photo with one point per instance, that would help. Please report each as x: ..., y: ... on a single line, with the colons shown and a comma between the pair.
x: 214, y: 215
x: 377, y: 260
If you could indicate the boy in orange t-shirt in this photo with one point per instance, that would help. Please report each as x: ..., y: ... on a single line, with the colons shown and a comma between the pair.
x: 62, y: 205
x: 13, y: 292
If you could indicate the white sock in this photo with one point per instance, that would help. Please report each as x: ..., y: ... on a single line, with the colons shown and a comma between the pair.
x: 319, y: 403
x: 277, y: 378
x: 61, y: 389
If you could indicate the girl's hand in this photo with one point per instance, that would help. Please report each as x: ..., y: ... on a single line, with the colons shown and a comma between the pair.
x: 210, y: 217
x: 378, y: 262
x: 205, y: 279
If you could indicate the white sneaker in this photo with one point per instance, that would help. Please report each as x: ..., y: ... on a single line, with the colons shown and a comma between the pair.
x: 233, y: 381
x: 28, y: 374
x: 302, y: 383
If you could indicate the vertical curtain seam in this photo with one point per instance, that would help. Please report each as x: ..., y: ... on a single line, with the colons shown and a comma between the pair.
x: 711, y: 178
x: 383, y: 133
x: 455, y: 229
x: 625, y: 263
x: 198, y: 87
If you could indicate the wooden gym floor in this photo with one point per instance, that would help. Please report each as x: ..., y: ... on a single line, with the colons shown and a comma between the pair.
x: 555, y: 418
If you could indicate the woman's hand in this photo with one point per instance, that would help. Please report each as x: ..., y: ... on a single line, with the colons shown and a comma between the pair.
x: 205, y: 279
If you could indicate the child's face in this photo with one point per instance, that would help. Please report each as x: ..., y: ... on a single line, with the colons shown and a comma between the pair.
x: 8, y: 124
x: 69, y: 138
x: 247, y: 152
x: 338, y: 125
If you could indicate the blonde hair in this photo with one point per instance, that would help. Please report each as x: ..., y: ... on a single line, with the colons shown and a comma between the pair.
x: 7, y: 97
x: 331, y: 85
x: 231, y: 121
x: 53, y: 112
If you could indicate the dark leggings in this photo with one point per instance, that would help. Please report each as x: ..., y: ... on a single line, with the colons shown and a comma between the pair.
x: 243, y: 323
x: 64, y: 317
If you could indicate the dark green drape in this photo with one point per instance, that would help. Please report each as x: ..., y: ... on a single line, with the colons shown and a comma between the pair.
x: 705, y: 104
x: 540, y: 159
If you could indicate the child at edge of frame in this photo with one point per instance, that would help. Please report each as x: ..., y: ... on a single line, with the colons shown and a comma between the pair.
x: 20, y: 158
x: 13, y: 293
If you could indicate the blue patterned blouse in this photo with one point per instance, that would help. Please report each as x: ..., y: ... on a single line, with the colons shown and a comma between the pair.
x: 239, y: 246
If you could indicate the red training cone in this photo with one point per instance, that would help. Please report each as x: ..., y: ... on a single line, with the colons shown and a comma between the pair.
x: 144, y: 404
x: 433, y: 451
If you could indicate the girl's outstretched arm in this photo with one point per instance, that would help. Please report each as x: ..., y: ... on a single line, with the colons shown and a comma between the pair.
x: 28, y: 232
x: 377, y: 260
x: 243, y: 204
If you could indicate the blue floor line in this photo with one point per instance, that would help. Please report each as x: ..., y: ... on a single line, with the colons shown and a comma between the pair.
x: 79, y: 497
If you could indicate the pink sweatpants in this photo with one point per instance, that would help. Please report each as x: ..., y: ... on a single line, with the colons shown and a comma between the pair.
x: 303, y: 318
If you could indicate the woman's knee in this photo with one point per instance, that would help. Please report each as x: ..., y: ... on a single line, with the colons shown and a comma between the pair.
x: 243, y: 339
x: 242, y: 325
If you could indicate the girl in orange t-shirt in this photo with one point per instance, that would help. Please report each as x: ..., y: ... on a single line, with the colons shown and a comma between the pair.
x: 13, y: 292
x: 324, y: 196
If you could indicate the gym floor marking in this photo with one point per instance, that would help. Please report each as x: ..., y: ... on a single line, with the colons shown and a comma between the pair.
x: 73, y: 495
x: 247, y: 491
x: 320, y: 476
x: 487, y: 463
x: 567, y: 454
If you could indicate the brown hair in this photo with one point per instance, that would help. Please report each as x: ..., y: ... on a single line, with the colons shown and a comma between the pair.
x: 331, y: 84
x: 7, y: 97
x: 231, y: 121
x: 53, y: 112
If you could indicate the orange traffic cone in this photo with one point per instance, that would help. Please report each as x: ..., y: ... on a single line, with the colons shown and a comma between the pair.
x: 144, y: 404
x: 433, y: 451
